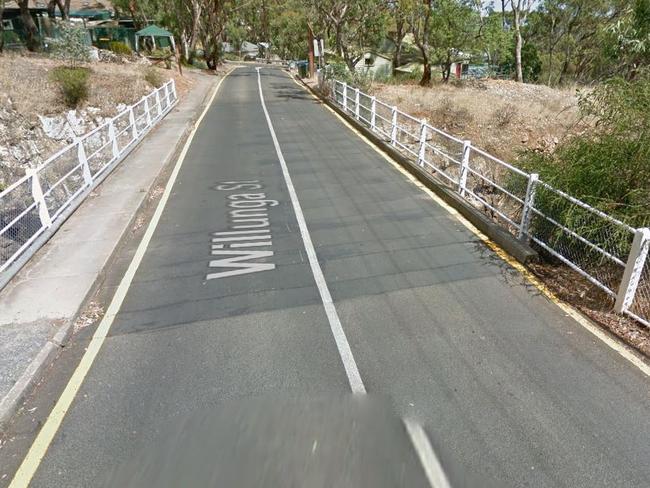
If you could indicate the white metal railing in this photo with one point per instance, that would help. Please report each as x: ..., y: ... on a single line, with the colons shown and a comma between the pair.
x: 609, y: 253
x: 36, y: 203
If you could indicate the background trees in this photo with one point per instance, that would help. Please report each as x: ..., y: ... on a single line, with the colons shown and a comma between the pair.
x: 551, y: 41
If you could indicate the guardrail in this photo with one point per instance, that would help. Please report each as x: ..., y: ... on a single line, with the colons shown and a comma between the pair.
x: 34, y: 206
x: 609, y: 253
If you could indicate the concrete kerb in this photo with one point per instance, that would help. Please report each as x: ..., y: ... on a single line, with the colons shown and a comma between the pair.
x: 11, y: 402
x: 513, y: 246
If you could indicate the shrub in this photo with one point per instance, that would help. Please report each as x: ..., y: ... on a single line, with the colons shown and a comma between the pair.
x: 119, y: 48
x: 340, y: 71
x: 71, y: 44
x: 504, y: 115
x: 73, y: 82
x: 153, y: 77
x: 608, y: 166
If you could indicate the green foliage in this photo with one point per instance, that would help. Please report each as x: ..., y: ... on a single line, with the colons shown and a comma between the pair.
x: 11, y: 37
x: 608, y: 167
x: 119, y: 47
x: 153, y: 77
x: 339, y: 70
x: 454, y: 31
x: 531, y: 64
x: 71, y: 44
x: 495, y: 42
x: 289, y: 31
x: 73, y: 83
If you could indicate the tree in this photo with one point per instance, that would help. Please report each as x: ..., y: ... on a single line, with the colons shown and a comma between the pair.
x: 2, y: 30
x: 495, y: 42
x: 632, y: 37
x: 70, y: 45
x: 355, y: 25
x: 288, y: 30
x: 64, y: 8
x: 397, y: 31
x: 454, y: 33
x: 520, y: 10
x: 420, y: 13
x: 212, y: 28
x: 31, y: 31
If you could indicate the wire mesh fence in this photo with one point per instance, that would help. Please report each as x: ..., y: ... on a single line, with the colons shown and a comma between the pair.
x: 36, y: 202
x: 607, y: 252
x: 640, y: 306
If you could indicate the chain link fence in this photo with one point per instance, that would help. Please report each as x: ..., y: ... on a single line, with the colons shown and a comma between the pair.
x: 37, y: 202
x: 607, y: 252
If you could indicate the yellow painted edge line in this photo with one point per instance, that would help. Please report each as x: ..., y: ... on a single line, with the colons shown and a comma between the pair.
x: 39, y: 447
x: 595, y: 329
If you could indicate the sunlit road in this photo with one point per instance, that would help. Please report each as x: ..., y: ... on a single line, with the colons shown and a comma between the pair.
x: 230, y: 303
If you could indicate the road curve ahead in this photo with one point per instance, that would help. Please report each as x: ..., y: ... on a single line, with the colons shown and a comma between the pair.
x: 292, y: 260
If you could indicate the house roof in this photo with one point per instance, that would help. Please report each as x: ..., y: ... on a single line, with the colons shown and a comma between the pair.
x: 377, y: 54
x: 33, y: 4
x: 74, y: 4
x: 155, y: 31
x: 81, y: 5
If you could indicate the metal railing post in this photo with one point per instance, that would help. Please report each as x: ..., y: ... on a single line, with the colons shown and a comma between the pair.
x: 173, y: 83
x: 134, y: 128
x: 356, y: 103
x: 393, y: 132
x: 373, y: 113
x: 158, y: 103
x: 39, y: 198
x: 464, y: 165
x: 633, y: 270
x: 529, y: 202
x: 423, y: 140
x: 113, y: 138
x: 146, y: 111
x: 169, y: 102
x: 83, y: 160
x: 345, y: 97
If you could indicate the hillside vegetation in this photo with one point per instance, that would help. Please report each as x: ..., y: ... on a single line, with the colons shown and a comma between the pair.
x: 35, y: 120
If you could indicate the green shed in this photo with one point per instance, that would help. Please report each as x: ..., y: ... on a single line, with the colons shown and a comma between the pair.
x: 154, y: 32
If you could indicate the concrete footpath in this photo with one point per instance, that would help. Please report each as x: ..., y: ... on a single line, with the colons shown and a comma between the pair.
x: 39, y: 307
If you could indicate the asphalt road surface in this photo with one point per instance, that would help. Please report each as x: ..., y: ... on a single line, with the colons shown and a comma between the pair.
x: 228, y: 307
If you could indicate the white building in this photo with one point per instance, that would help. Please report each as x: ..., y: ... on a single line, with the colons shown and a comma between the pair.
x: 374, y: 64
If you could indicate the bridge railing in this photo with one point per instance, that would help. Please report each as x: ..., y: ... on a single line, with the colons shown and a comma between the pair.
x: 35, y: 205
x: 609, y: 253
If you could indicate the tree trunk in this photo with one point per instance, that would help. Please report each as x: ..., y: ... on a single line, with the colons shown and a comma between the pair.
x: 399, y: 39
x: 337, y: 37
x: 186, y: 46
x: 2, y: 28
x: 426, y: 75
x: 397, y: 58
x: 310, y: 56
x: 518, y: 45
x: 194, y: 34
x: 51, y: 9
x: 349, y: 61
x: 446, y: 69
x: 426, y: 66
x: 31, y: 31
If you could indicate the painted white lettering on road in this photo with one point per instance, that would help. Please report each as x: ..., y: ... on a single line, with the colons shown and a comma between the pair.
x: 250, y: 226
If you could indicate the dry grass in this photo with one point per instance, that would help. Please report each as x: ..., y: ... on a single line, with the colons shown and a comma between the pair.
x: 572, y: 288
x: 26, y: 81
x: 502, y: 117
x: 27, y: 91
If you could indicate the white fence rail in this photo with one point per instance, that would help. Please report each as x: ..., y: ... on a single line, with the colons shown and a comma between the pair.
x: 38, y: 202
x: 610, y: 254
